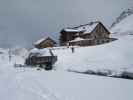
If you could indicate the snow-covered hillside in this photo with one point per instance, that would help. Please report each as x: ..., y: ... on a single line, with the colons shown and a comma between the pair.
x: 30, y: 84
x: 124, y: 23
x: 33, y: 84
x: 116, y: 55
x: 122, y: 16
x: 58, y: 84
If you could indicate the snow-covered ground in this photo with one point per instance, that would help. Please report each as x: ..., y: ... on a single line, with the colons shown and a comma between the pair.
x: 32, y: 84
x: 116, y: 55
x: 59, y: 84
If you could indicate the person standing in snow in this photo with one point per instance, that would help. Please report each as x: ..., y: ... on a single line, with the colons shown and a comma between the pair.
x: 72, y: 49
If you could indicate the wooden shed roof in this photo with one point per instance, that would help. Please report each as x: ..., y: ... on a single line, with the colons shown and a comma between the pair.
x: 43, y: 40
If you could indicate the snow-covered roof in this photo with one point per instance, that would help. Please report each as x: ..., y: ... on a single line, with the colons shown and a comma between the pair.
x: 40, y: 40
x: 40, y: 52
x: 43, y: 39
x: 87, y: 28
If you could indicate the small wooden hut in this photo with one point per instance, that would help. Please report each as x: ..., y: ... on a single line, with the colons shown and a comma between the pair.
x: 44, y: 43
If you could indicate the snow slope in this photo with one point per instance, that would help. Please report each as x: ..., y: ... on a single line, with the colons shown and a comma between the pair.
x: 123, y: 25
x: 122, y: 16
x: 116, y: 55
x: 32, y: 84
x: 71, y: 86
x: 12, y: 87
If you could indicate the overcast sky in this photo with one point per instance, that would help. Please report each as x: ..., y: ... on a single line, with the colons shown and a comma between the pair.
x: 24, y: 21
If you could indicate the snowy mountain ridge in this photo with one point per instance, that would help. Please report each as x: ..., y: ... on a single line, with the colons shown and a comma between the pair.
x: 122, y: 16
x: 123, y: 24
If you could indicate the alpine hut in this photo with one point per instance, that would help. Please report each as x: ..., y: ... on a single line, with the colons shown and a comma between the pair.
x: 44, y: 43
x: 93, y: 33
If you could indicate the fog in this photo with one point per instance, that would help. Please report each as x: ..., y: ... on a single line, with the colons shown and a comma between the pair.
x: 22, y: 22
